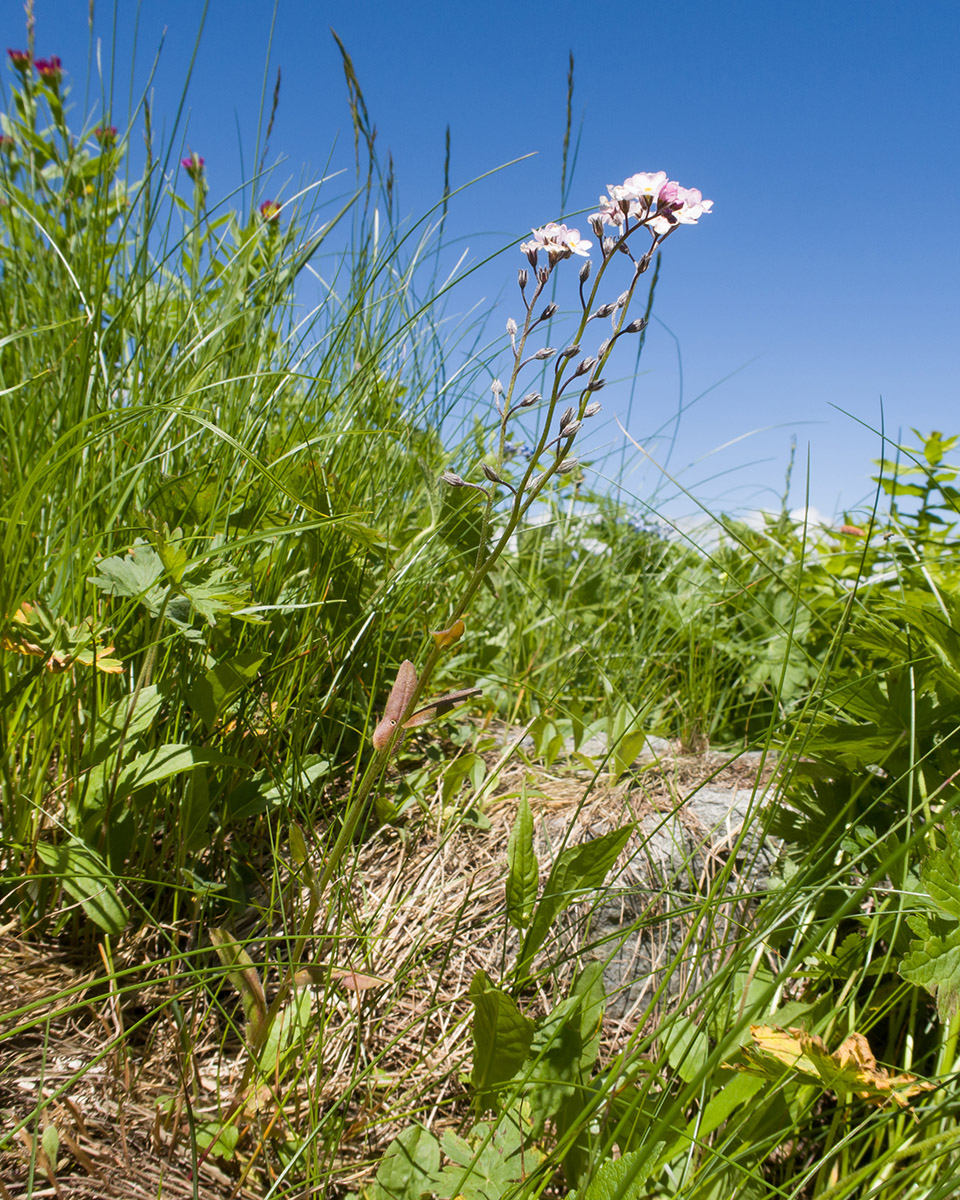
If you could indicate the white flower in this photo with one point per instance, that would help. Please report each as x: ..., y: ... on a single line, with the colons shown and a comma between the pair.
x: 558, y: 241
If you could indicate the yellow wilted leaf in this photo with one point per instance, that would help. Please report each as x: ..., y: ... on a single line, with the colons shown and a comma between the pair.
x: 852, y: 1068
x: 447, y: 637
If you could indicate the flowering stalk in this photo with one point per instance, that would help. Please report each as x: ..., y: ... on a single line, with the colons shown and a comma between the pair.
x: 644, y: 201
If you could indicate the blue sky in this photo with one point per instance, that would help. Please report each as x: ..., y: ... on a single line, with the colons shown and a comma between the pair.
x: 825, y: 133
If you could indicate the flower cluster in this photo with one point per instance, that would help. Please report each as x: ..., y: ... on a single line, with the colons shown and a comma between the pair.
x: 106, y: 135
x: 21, y: 60
x: 50, y: 69
x: 269, y: 210
x: 652, y: 200
x: 193, y: 166
x: 557, y: 241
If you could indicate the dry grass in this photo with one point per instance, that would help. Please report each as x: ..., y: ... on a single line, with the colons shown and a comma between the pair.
x: 126, y: 1067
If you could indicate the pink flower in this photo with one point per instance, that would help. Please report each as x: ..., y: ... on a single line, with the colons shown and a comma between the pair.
x: 193, y: 166
x: 558, y: 241
x: 20, y: 59
x: 106, y: 135
x: 49, y: 69
x: 270, y: 210
x: 678, y: 206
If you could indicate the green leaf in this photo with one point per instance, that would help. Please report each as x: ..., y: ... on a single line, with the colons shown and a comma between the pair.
x: 523, y: 870
x: 162, y: 762
x: 409, y: 1167
x: 502, y: 1036
x: 933, y: 960
x: 210, y: 696
x: 131, y: 574
x: 623, y: 1178
x: 489, y: 1163
x: 688, y: 1047
x: 245, y: 978
x: 577, y: 870
x: 565, y: 1048
x: 86, y: 878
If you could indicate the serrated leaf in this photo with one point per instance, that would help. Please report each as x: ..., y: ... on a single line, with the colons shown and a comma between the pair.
x: 933, y: 962
x: 86, y: 878
x: 131, y: 574
x: 623, y: 1177
x: 523, y: 870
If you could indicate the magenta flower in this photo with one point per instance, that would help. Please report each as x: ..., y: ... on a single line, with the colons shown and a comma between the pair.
x: 21, y: 60
x: 106, y: 135
x: 270, y: 210
x: 50, y: 69
x: 558, y: 241
x: 193, y: 166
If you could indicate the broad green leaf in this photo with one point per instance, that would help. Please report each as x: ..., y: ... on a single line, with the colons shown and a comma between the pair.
x: 245, y: 978
x: 523, y: 870
x: 410, y: 1166
x: 210, y: 696
x: 565, y: 1047
x: 86, y: 878
x: 688, y: 1047
x: 502, y: 1036
x: 577, y: 870
x: 164, y: 761
x: 195, y: 811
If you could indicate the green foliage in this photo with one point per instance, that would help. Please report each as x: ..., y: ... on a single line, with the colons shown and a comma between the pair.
x: 933, y: 961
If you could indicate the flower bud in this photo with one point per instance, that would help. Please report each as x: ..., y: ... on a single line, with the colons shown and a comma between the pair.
x: 622, y: 299
x: 496, y: 387
x: 453, y: 479
x: 568, y: 431
x: 592, y: 409
x: 636, y: 326
x: 596, y: 224
x: 522, y: 278
x: 547, y: 312
x: 567, y: 417
x: 529, y: 399
x: 543, y: 274
x: 608, y: 245
x: 585, y: 365
x: 570, y: 351
x: 604, y: 347
x: 511, y: 326
x: 585, y: 269
x: 568, y: 465
x: 491, y: 474
x: 596, y: 385
x: 604, y: 311
x: 546, y: 352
